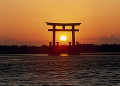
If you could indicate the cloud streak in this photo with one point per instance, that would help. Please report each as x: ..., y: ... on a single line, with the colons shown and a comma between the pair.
x: 15, y: 42
x: 112, y: 39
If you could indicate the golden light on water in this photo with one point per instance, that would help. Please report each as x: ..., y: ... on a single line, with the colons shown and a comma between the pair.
x: 63, y: 38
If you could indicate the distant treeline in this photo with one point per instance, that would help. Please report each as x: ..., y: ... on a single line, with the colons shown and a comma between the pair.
x: 99, y: 48
x: 24, y: 49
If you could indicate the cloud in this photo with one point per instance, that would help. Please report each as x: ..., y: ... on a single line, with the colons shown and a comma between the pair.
x: 112, y: 39
x: 15, y: 42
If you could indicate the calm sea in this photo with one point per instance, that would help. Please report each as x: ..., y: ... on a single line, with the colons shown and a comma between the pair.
x: 44, y: 70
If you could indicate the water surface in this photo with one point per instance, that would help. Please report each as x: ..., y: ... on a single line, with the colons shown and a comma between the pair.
x: 41, y: 70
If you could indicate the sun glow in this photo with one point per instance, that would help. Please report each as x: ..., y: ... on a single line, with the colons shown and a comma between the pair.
x: 63, y: 38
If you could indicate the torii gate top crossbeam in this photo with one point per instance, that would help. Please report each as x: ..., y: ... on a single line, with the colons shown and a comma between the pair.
x: 63, y: 24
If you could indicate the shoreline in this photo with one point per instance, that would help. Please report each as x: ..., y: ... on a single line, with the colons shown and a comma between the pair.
x: 90, y: 53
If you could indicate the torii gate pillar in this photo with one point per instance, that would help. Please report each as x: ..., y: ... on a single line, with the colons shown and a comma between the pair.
x: 54, y: 35
x: 73, y: 36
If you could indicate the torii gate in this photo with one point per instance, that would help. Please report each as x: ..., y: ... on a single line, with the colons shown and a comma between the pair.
x: 63, y: 29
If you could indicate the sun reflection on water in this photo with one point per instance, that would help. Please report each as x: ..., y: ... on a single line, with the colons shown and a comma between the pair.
x: 64, y: 54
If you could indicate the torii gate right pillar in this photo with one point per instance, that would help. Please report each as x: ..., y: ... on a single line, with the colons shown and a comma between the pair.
x: 73, y: 35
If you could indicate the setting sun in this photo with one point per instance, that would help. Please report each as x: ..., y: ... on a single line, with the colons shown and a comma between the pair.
x: 63, y: 38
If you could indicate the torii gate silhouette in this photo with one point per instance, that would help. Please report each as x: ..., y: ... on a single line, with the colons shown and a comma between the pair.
x: 64, y: 29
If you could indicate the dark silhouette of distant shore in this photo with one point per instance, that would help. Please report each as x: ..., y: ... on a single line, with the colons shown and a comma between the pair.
x: 82, y: 48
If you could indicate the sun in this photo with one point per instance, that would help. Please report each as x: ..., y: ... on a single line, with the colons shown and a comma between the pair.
x: 63, y: 38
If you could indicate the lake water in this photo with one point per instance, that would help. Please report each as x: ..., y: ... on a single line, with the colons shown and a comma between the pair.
x: 44, y: 70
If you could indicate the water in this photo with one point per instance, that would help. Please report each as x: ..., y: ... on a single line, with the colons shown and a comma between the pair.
x: 44, y: 70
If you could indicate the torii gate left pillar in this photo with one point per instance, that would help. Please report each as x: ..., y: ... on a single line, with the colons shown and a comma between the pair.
x: 54, y: 35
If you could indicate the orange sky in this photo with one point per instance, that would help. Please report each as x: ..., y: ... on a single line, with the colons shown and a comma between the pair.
x: 24, y: 20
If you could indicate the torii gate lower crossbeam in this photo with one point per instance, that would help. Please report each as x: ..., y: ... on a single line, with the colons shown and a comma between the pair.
x: 63, y: 29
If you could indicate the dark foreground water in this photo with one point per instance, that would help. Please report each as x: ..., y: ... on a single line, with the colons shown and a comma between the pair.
x: 37, y: 70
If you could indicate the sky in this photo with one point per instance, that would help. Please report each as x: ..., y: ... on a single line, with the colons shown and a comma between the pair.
x: 23, y: 21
